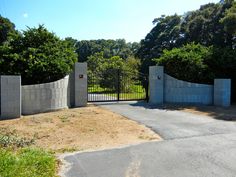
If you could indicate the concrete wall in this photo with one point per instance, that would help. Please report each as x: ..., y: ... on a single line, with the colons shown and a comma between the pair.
x: 45, y: 97
x: 166, y: 89
x: 222, y: 92
x: 70, y: 91
x: 177, y: 91
x: 10, y: 97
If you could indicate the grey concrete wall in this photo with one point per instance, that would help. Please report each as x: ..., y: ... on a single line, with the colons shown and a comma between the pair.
x: 156, y: 84
x: 177, y: 91
x: 45, y: 97
x: 222, y: 92
x: 80, y: 77
x: 10, y: 97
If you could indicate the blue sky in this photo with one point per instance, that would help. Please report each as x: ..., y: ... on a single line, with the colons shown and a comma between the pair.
x: 94, y: 19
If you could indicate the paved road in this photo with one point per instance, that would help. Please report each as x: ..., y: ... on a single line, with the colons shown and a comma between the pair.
x: 171, y: 124
x: 193, y: 146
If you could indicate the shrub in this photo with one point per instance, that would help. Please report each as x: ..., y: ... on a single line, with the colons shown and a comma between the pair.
x: 38, y: 55
x: 188, y: 63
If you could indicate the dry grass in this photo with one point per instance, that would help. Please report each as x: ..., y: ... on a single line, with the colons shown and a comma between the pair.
x: 88, y: 128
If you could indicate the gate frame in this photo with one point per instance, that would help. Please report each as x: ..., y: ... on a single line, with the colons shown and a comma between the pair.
x: 118, y: 92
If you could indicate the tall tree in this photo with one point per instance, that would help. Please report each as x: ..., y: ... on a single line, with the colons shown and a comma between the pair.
x: 109, y: 48
x: 7, y: 28
x: 229, y: 22
x: 165, y: 35
x: 213, y: 24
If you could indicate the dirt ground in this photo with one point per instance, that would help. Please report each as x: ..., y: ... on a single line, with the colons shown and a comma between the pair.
x: 221, y: 113
x: 89, y: 128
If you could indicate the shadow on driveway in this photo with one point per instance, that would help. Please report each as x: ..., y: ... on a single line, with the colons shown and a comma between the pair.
x: 220, y: 113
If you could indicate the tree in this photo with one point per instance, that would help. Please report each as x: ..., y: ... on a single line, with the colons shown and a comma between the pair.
x: 105, y: 71
x: 165, y: 35
x: 72, y: 42
x: 211, y: 25
x: 229, y: 22
x: 188, y: 63
x: 109, y: 48
x: 38, y: 55
x: 7, y: 29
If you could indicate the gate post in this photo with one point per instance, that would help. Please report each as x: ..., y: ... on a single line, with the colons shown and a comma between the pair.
x: 222, y: 91
x: 80, y: 80
x: 156, y: 84
x: 10, y: 96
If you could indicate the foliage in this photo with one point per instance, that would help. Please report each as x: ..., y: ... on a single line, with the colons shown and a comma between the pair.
x: 7, y: 29
x: 110, y: 48
x: 106, y: 70
x: 229, y: 22
x: 223, y: 62
x: 188, y: 63
x: 165, y: 35
x: 211, y: 25
x: 71, y: 42
x: 14, y: 141
x: 37, y: 55
x: 27, y: 163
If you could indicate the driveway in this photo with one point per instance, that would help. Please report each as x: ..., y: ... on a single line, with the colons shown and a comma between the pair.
x: 193, y: 146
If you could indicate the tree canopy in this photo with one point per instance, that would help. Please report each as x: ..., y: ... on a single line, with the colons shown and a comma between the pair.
x: 109, y: 48
x: 188, y: 63
x: 211, y: 25
x: 36, y: 54
x: 7, y: 28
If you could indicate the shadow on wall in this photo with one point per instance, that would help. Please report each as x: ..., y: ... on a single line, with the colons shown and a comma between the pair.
x: 233, y: 91
x: 220, y: 113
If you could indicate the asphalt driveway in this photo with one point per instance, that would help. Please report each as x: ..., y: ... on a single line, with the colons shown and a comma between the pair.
x: 193, y: 146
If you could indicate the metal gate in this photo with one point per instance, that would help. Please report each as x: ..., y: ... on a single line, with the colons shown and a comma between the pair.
x: 117, y: 85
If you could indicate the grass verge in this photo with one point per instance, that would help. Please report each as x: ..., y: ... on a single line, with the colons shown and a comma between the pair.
x: 26, y: 162
x: 18, y: 160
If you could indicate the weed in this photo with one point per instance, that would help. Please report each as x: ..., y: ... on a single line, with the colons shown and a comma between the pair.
x: 9, y: 140
x: 64, y: 118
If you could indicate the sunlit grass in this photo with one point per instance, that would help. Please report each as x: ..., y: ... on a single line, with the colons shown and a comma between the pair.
x: 27, y: 162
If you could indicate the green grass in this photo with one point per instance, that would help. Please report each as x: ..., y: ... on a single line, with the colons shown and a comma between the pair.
x: 133, y: 95
x: 136, y: 92
x: 17, y: 159
x: 96, y: 89
x: 27, y: 162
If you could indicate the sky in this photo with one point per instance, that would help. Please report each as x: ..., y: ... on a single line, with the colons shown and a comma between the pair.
x: 95, y: 19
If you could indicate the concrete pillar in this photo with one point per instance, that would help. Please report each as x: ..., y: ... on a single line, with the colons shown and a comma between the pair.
x: 80, y: 77
x: 71, y: 90
x: 222, y: 92
x: 156, y: 84
x: 10, y: 97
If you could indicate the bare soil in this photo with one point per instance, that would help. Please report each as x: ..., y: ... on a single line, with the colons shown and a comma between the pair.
x: 89, y: 128
x: 221, y: 113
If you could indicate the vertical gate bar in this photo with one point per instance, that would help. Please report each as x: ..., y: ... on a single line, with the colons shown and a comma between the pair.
x: 118, y: 84
x: 147, y: 84
x: 93, y: 87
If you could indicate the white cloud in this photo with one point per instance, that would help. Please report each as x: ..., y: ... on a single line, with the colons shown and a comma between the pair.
x: 25, y: 15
